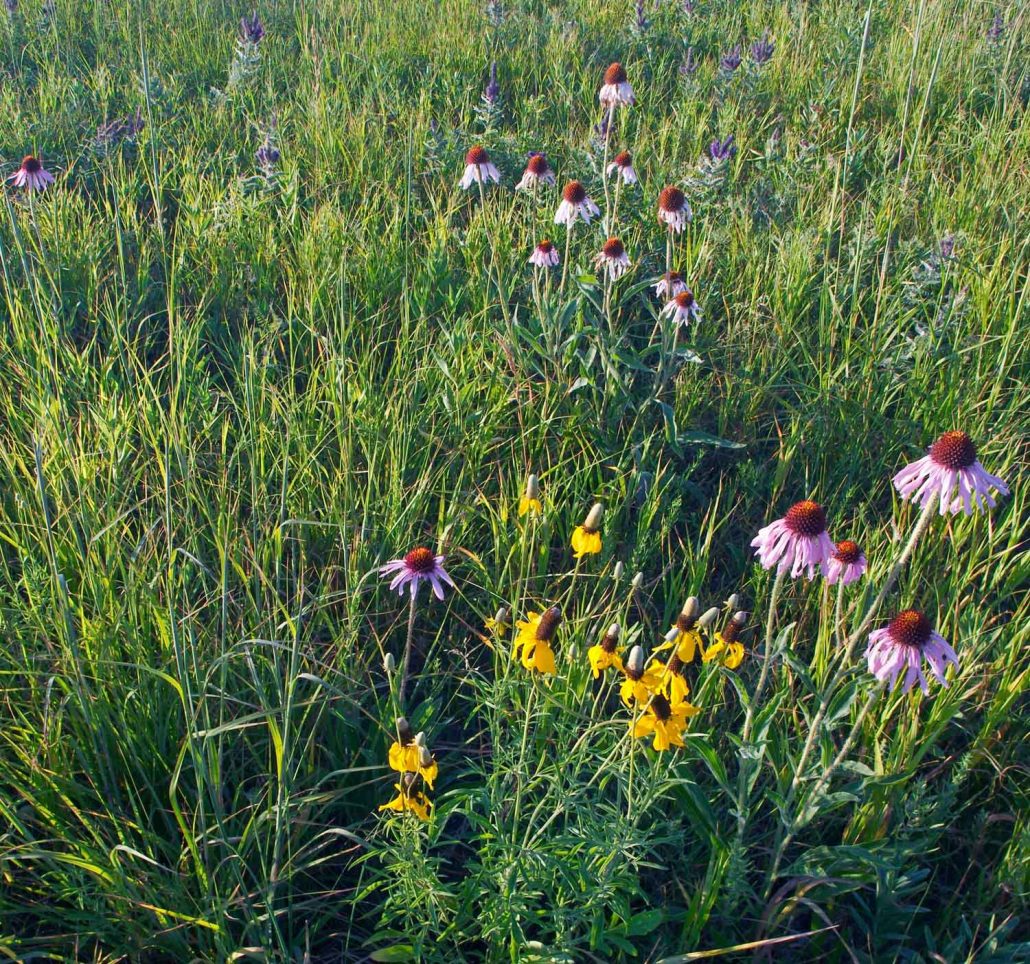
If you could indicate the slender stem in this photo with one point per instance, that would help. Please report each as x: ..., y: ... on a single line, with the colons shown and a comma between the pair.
x: 608, y: 221
x: 406, y: 664
x: 565, y: 263
x: 770, y: 624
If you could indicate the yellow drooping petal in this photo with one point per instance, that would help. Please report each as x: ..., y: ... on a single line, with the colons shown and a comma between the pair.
x: 585, y: 543
x: 731, y: 654
x: 527, y: 505
x: 642, y: 727
x: 601, y: 659
x: 403, y: 758
x: 493, y: 626
x: 416, y: 803
x: 687, y: 645
x: 734, y: 655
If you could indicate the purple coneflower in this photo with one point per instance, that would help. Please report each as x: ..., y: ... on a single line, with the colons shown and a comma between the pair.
x: 616, y: 89
x: 845, y: 565
x: 762, y: 49
x: 575, y: 204
x: 31, y: 175
x: 670, y: 285
x: 419, y: 565
x: 674, y: 209
x: 950, y: 467
x: 722, y: 150
x: 731, y: 61
x: 613, y: 258
x: 683, y: 307
x: 622, y: 164
x: 545, y: 255
x: 796, y: 542
x: 902, y: 644
x: 478, y: 168
x: 537, y: 171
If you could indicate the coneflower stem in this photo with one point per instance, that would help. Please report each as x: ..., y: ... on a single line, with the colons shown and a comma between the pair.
x: 565, y: 263
x: 608, y: 220
x: 406, y: 663
x: 615, y: 206
x: 668, y: 256
x: 770, y: 624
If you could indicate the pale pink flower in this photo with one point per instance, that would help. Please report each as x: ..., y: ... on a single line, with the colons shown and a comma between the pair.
x: 478, y: 168
x: 616, y: 89
x: 796, y: 542
x: 419, y: 565
x: 545, y: 255
x: 31, y: 175
x: 612, y: 258
x: 575, y: 204
x: 903, y: 644
x: 683, y: 307
x: 674, y: 209
x: 537, y: 171
x: 670, y: 285
x: 846, y: 565
x: 622, y: 164
x: 951, y: 467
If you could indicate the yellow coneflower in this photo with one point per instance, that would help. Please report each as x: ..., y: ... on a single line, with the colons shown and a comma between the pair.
x: 683, y: 634
x: 665, y: 720
x: 408, y: 754
x: 586, y: 540
x: 530, y: 502
x: 533, y: 642
x: 607, y: 652
x: 639, y: 683
x: 408, y: 799
x: 498, y: 624
x: 726, y: 648
x: 671, y: 682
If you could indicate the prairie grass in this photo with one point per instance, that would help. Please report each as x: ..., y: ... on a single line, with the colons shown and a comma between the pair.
x: 232, y: 388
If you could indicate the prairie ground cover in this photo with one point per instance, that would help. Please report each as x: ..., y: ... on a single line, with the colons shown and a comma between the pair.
x: 669, y: 358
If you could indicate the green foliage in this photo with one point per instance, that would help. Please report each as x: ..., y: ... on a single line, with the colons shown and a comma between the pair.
x: 235, y: 386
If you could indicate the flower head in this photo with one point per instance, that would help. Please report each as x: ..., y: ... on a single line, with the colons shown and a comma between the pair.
x: 537, y: 171
x: 670, y: 285
x: 533, y: 642
x: 622, y: 164
x: 639, y: 683
x: 731, y: 61
x: 498, y: 624
x: 575, y: 204
x: 683, y: 307
x: 252, y: 30
x: 586, y: 539
x: 671, y: 682
x: 666, y: 720
x: 545, y: 254
x: 722, y: 150
x: 613, y: 258
x: 408, y: 754
x: 683, y: 634
x: 796, y: 542
x: 419, y: 565
x: 902, y: 645
x: 616, y: 89
x: 845, y: 565
x: 478, y: 168
x: 31, y: 175
x: 674, y: 209
x: 530, y: 502
x: 950, y: 468
x: 762, y: 49
x: 409, y: 799
x: 606, y: 653
x: 726, y: 646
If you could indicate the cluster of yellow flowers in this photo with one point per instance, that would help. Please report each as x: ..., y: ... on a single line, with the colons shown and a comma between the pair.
x: 412, y: 759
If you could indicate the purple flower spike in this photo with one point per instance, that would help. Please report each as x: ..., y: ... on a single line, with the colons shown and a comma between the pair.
x: 722, y: 150
x: 762, y: 50
x: 731, y: 61
x: 252, y: 30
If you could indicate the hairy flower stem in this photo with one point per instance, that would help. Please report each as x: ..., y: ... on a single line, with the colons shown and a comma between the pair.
x: 608, y: 219
x: 823, y: 779
x: 406, y: 663
x: 565, y: 262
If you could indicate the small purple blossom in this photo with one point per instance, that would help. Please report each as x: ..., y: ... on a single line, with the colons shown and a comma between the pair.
x: 846, y: 565
x: 996, y: 31
x: 947, y: 247
x: 722, y: 150
x: 418, y: 566
x: 267, y: 156
x: 252, y: 30
x: 731, y: 61
x: 492, y: 91
x: 689, y: 64
x: 641, y: 23
x: 762, y: 49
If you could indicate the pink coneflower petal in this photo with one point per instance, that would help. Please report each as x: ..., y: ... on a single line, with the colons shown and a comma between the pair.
x: 538, y: 171
x: 613, y: 258
x: 682, y: 307
x: 902, y: 645
x: 951, y: 473
x: 670, y: 285
x: 478, y: 168
x: 674, y: 209
x: 575, y: 204
x: 616, y: 89
x: 797, y: 542
x: 31, y: 175
x: 623, y: 166
x: 545, y: 255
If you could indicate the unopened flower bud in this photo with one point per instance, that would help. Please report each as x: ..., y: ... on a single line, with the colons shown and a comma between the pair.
x: 592, y: 523
x: 638, y: 581
x: 503, y: 616
x: 672, y: 635
x: 740, y: 618
x: 708, y: 617
x: 420, y: 738
x: 733, y: 602
x: 533, y: 488
x: 619, y: 570
x: 404, y: 734
x: 389, y: 663
x: 425, y: 758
